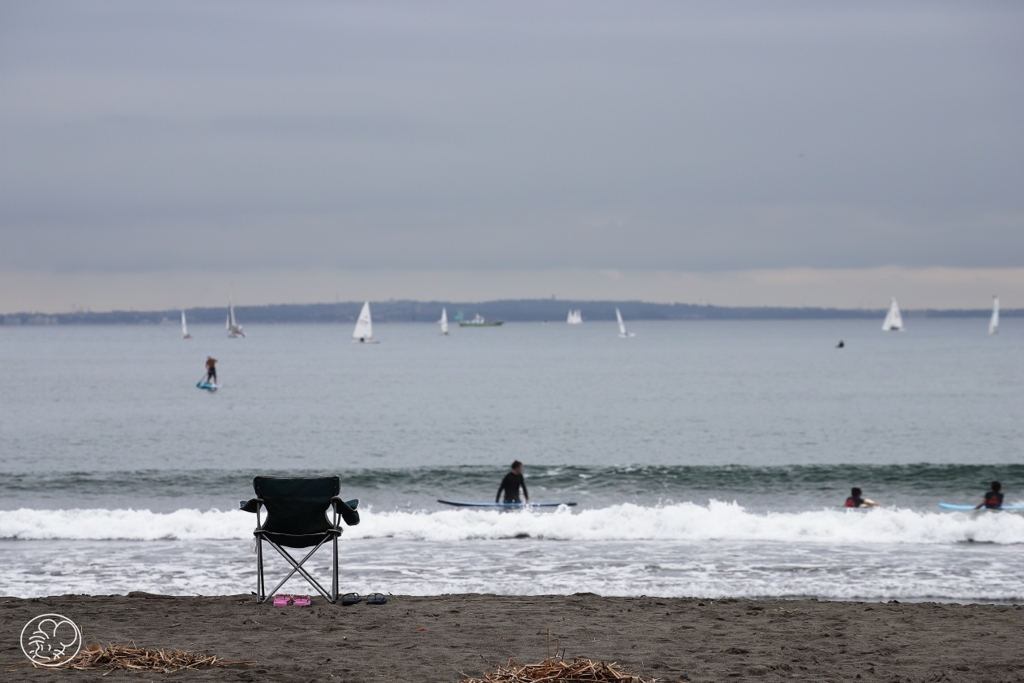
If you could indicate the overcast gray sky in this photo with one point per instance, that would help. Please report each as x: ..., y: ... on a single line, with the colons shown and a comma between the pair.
x: 302, y: 151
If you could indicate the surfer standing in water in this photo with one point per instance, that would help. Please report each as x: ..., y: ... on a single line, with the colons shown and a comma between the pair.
x: 211, y: 369
x: 857, y: 500
x: 993, y: 499
x: 511, y: 484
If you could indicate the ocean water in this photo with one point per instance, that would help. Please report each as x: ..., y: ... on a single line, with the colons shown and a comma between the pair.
x: 707, y: 458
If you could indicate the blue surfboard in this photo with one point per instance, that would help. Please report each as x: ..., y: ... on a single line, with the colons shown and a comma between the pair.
x: 467, y: 504
x: 968, y: 508
x: 207, y: 386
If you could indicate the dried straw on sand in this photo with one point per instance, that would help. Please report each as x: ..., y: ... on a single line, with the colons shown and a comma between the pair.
x: 554, y: 669
x: 141, y: 659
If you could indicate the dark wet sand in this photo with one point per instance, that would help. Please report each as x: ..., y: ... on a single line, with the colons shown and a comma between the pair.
x: 428, y: 639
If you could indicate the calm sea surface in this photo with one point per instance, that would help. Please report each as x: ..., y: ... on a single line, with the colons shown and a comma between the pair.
x: 707, y: 458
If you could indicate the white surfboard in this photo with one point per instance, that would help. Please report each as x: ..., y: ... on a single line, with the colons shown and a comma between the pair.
x: 470, y: 504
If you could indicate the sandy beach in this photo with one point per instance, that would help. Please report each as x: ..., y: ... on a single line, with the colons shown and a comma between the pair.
x: 441, y: 638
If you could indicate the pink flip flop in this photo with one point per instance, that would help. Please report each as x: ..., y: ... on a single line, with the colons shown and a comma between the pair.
x: 282, y: 600
x: 301, y: 601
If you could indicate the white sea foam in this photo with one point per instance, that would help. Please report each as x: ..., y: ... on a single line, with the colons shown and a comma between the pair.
x: 963, y: 572
x: 132, y: 525
x: 685, y: 522
x: 690, y: 522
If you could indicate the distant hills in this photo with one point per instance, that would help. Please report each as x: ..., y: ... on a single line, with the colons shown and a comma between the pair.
x: 513, y: 310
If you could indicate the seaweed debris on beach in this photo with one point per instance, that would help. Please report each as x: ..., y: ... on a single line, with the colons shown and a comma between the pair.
x: 554, y: 669
x: 142, y: 659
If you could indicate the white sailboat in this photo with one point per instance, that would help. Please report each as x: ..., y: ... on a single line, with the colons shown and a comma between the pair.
x: 184, y: 327
x: 233, y: 328
x: 893, y: 320
x: 363, y: 333
x: 993, y: 324
x: 444, y: 320
x: 574, y: 317
x: 622, y: 326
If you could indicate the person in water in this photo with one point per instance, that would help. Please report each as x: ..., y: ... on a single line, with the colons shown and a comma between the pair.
x: 511, y: 484
x: 993, y: 499
x: 857, y: 500
x: 211, y: 369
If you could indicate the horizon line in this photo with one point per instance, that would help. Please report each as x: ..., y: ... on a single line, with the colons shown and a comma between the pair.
x: 78, y: 314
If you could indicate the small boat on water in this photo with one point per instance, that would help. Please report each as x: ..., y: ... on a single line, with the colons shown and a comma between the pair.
x: 993, y: 324
x: 575, y: 318
x: 893, y: 320
x: 233, y: 328
x: 479, y: 321
x: 622, y: 326
x: 184, y: 327
x: 444, y: 321
x: 363, y: 333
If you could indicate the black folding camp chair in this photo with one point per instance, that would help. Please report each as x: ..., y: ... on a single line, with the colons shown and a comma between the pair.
x: 297, y: 518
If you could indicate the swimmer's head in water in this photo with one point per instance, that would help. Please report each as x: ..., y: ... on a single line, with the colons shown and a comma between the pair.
x: 996, y: 486
x: 855, y: 492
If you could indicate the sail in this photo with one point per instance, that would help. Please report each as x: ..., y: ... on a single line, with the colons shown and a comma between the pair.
x: 893, y: 319
x: 444, y: 321
x: 364, y: 326
x: 622, y: 325
x: 234, y: 329
x: 993, y: 325
x: 184, y: 327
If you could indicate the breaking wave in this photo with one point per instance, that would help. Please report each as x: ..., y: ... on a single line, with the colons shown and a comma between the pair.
x: 683, y: 522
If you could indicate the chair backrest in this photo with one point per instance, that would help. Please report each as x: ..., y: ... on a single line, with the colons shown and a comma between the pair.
x: 296, y: 505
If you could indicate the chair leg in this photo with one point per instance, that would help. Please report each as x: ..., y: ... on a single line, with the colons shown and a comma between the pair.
x: 334, y: 585
x: 261, y: 594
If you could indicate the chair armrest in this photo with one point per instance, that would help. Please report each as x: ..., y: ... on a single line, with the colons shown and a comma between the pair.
x: 251, y: 505
x: 347, y: 510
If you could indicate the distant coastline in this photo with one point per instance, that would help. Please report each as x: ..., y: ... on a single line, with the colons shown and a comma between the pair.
x: 512, y: 310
